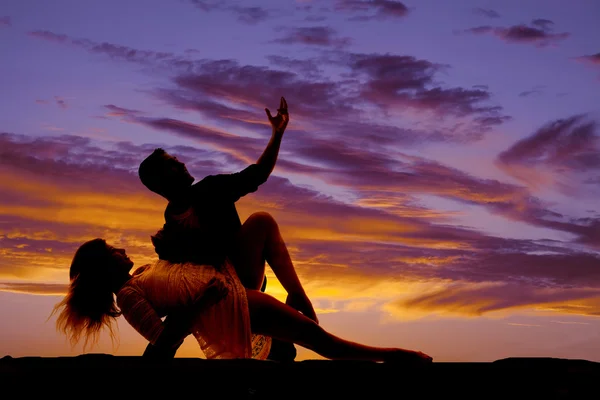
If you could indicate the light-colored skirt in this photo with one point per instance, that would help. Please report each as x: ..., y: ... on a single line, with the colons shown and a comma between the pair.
x: 223, y: 330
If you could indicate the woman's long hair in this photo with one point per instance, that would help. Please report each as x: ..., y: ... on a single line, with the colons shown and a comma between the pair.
x: 89, y: 304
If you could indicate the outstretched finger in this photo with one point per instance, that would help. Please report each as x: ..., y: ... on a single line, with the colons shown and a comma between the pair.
x: 269, y: 114
x: 283, y: 103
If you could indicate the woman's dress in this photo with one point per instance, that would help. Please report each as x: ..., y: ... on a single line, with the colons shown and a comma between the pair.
x: 222, y: 330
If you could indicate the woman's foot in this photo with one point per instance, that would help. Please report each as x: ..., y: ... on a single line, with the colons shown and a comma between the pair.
x: 408, y: 357
x: 301, y: 303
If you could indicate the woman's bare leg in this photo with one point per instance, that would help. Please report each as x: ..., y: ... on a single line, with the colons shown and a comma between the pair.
x: 269, y: 316
x: 259, y: 240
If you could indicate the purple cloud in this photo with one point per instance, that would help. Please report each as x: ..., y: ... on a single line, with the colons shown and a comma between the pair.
x: 309, y: 68
x: 226, y: 79
x: 486, y: 12
x: 539, y: 34
x: 373, y: 9
x: 534, y: 91
x: 5, y: 21
x: 526, y: 34
x: 313, y: 36
x: 115, y: 111
x: 58, y: 100
x: 50, y: 36
x: 564, y: 153
x: 477, y: 30
x: 544, y: 24
x: 61, y: 102
x: 593, y: 59
x: 407, y: 81
x: 383, y: 81
x: 565, y: 144
x: 248, y: 15
x: 116, y: 52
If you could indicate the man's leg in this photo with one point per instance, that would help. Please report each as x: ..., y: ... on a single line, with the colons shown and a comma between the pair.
x: 280, y: 351
x: 259, y: 240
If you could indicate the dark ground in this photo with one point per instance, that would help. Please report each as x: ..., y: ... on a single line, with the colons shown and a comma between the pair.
x: 101, y: 376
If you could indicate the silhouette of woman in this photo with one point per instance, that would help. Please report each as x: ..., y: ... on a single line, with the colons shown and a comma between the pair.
x: 203, y: 293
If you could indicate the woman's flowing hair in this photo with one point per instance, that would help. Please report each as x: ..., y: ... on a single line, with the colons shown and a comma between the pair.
x: 89, y: 304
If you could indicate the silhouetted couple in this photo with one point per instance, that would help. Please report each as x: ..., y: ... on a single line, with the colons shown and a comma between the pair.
x: 209, y: 280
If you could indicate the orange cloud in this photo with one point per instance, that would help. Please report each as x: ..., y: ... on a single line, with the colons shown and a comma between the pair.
x: 470, y: 299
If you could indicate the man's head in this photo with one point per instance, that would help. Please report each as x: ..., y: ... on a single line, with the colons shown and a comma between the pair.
x: 164, y: 174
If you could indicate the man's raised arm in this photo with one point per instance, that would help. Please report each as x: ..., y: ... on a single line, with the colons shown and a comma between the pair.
x: 231, y: 187
x: 267, y: 160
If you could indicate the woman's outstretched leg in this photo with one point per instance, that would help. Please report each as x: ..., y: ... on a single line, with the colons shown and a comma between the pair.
x: 259, y: 240
x: 269, y: 316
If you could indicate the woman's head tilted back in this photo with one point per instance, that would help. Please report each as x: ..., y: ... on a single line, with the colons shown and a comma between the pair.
x: 89, y: 304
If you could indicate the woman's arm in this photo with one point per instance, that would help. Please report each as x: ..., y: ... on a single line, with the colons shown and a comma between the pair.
x: 140, y: 314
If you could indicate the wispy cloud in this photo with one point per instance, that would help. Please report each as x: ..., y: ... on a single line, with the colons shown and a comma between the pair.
x: 407, y: 81
x: 249, y: 15
x: 48, y: 289
x: 486, y: 12
x: 388, y: 82
x: 570, y: 323
x: 61, y: 102
x: 469, y: 299
x: 534, y: 91
x: 593, y: 59
x: 115, y: 111
x: 117, y: 52
x: 364, y: 10
x: 542, y: 23
x: 539, y: 33
x: 313, y: 36
x: 554, y: 153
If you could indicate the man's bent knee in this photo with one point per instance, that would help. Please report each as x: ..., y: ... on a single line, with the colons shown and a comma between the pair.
x: 261, y: 218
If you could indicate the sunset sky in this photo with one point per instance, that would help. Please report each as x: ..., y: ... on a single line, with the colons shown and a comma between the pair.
x: 437, y: 184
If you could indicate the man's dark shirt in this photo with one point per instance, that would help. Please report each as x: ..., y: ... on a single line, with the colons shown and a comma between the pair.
x: 204, y: 232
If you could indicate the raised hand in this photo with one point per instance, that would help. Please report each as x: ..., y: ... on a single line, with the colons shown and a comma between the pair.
x: 280, y: 121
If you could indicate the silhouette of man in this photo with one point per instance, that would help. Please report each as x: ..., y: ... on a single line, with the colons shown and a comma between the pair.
x: 202, y: 225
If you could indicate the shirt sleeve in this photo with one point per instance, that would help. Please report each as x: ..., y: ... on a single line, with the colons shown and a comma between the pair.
x: 231, y: 187
x: 139, y: 313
